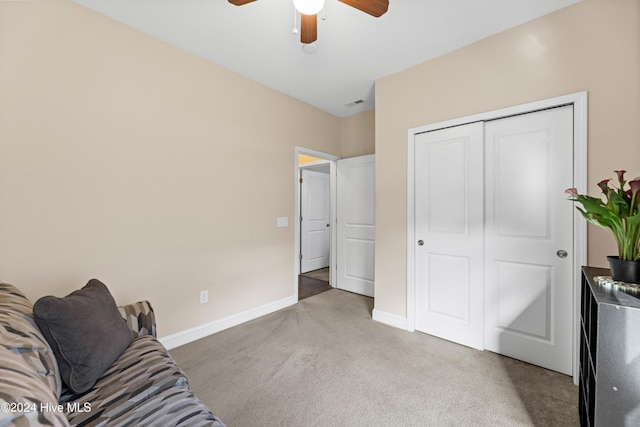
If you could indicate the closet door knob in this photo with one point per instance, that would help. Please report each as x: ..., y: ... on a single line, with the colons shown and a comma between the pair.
x: 562, y: 253
x: 420, y: 242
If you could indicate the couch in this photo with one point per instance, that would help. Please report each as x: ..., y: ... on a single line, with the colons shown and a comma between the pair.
x: 143, y: 386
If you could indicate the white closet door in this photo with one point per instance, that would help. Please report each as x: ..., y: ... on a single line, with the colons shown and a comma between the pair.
x: 449, y: 233
x: 529, y: 222
x: 494, y: 235
x: 356, y: 225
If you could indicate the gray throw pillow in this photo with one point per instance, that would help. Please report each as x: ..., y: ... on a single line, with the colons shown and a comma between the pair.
x: 85, y: 331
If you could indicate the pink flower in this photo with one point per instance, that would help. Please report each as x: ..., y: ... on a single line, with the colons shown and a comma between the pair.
x: 620, y: 175
x: 635, y: 185
x: 571, y: 191
x: 604, y: 185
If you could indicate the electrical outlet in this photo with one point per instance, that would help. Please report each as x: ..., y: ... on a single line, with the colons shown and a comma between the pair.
x: 204, y: 297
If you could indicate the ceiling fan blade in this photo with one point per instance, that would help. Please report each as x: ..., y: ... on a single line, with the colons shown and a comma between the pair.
x: 240, y: 2
x: 375, y: 8
x: 308, y: 28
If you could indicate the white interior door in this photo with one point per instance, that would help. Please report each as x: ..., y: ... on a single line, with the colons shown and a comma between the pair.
x: 528, y: 238
x: 356, y: 225
x: 494, y: 268
x: 449, y: 233
x: 315, y: 220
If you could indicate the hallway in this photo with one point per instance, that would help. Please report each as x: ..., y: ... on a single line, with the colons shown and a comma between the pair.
x: 313, y: 283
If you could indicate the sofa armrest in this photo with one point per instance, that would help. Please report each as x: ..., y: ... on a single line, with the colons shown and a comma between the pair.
x: 140, y: 318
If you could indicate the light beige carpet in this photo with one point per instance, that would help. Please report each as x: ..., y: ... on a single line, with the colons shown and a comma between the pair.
x: 324, y: 362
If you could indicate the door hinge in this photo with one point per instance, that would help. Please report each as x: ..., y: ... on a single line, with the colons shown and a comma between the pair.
x: 300, y: 257
x: 301, y: 180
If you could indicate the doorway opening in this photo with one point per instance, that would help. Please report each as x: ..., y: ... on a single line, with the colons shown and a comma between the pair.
x: 315, y: 239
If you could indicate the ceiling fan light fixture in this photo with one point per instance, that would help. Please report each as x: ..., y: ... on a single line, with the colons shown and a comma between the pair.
x: 310, y: 48
x: 308, y: 7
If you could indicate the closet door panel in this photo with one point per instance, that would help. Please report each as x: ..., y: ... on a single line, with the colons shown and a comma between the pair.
x: 449, y: 218
x: 528, y: 286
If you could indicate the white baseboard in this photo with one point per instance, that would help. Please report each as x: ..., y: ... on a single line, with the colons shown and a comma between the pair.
x: 390, y: 319
x: 195, y: 333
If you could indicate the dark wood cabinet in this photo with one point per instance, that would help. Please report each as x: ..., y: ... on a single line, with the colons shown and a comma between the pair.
x: 609, y: 354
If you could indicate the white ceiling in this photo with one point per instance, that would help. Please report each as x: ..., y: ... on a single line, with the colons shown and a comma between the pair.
x: 353, y: 48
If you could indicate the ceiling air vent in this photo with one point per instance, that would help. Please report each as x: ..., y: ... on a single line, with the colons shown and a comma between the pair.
x: 354, y: 103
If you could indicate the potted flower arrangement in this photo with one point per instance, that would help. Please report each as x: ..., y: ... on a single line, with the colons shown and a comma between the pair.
x: 619, y: 214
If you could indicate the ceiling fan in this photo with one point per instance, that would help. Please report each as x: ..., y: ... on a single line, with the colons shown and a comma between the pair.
x: 309, y: 13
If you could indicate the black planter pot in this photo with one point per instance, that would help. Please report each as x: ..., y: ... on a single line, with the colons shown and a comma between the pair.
x: 624, y: 271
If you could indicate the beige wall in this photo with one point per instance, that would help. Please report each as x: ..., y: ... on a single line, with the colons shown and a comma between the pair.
x: 592, y: 46
x: 358, y: 134
x: 125, y: 159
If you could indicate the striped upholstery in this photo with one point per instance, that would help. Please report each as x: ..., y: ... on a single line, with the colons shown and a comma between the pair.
x: 173, y: 406
x: 144, y: 386
x: 144, y: 369
x: 29, y: 376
